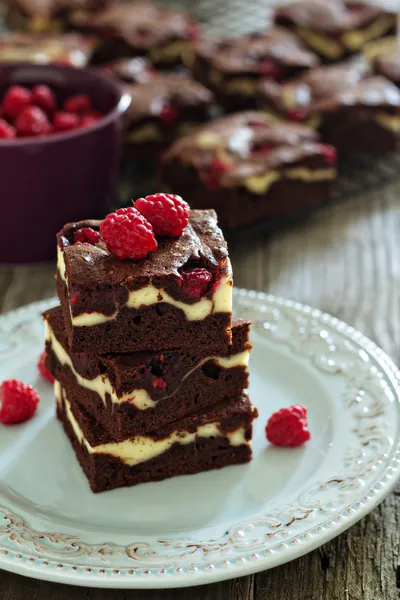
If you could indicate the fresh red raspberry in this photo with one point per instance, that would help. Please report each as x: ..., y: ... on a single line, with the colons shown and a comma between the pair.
x: 212, y: 177
x: 44, y: 97
x: 159, y: 382
x: 18, y: 402
x: 127, y: 234
x: 65, y: 121
x: 329, y: 153
x: 32, y: 122
x: 195, y: 282
x: 298, y: 114
x: 42, y: 369
x: 167, y: 213
x: 79, y: 104
x: 269, y: 68
x: 87, y: 235
x: 288, y: 426
x: 169, y: 115
x: 88, y: 120
x: 7, y: 132
x: 15, y: 100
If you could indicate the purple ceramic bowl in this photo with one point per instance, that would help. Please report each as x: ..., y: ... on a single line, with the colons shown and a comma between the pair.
x: 48, y: 181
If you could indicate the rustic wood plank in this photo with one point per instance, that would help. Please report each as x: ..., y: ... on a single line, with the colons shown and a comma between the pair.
x: 344, y: 260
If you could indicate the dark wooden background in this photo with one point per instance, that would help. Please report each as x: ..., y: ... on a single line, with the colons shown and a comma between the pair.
x: 344, y: 260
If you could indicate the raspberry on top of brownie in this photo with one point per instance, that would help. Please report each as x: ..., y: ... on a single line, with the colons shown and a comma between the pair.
x: 232, y: 67
x: 353, y: 109
x: 335, y: 28
x: 141, y: 28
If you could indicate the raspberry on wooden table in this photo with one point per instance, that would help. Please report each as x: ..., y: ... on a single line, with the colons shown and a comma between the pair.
x: 15, y: 100
x: 18, y: 402
x: 42, y: 369
x: 127, y: 234
x: 44, y: 97
x: 288, y: 426
x: 32, y: 121
x: 195, y: 282
x: 167, y: 213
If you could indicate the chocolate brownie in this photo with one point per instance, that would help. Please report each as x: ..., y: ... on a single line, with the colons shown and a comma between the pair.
x: 232, y: 67
x: 113, y: 305
x: 69, y: 48
x: 134, y: 393
x: 355, y: 111
x: 141, y: 28
x: 248, y: 169
x: 165, y: 107
x: 384, y: 56
x: 211, y: 439
x: 335, y: 29
x: 39, y: 16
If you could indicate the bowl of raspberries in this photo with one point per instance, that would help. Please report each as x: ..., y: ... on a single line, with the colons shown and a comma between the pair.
x: 61, y: 132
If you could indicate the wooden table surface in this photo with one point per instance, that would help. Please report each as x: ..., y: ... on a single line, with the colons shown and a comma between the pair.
x: 344, y: 260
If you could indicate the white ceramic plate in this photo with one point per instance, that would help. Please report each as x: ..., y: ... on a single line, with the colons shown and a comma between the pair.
x: 217, y: 525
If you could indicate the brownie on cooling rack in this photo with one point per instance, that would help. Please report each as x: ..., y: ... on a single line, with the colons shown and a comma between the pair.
x: 354, y: 110
x: 232, y: 67
x: 249, y: 169
x: 335, y: 29
x: 141, y: 28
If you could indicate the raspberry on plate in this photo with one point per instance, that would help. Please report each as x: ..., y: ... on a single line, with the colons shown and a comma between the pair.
x: 42, y: 369
x: 167, y: 213
x: 288, y: 426
x: 18, y: 402
x: 32, y: 121
x: 15, y: 100
x: 127, y: 234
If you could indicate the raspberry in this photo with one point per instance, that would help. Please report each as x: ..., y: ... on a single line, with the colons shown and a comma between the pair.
x: 31, y: 122
x: 168, y: 115
x: 159, y: 382
x: 127, y: 234
x: 288, y: 426
x: 81, y: 103
x: 44, y: 97
x: 329, y: 153
x: 298, y: 114
x: 167, y: 213
x: 42, y: 369
x: 193, y: 30
x: 15, y: 100
x: 65, y: 121
x: 88, y: 121
x: 18, y: 402
x: 268, y: 68
x: 195, y: 282
x: 212, y: 177
x: 7, y: 132
x: 87, y: 235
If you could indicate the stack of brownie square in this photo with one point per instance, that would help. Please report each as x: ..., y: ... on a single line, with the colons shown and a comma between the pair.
x: 150, y: 369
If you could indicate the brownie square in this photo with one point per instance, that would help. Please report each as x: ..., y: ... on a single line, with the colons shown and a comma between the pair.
x: 335, y: 29
x: 231, y: 68
x: 162, y: 109
x: 248, y: 168
x: 134, y: 393
x: 41, y: 16
x: 357, y: 112
x: 210, y: 439
x: 69, y: 48
x: 141, y: 28
x: 113, y: 305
